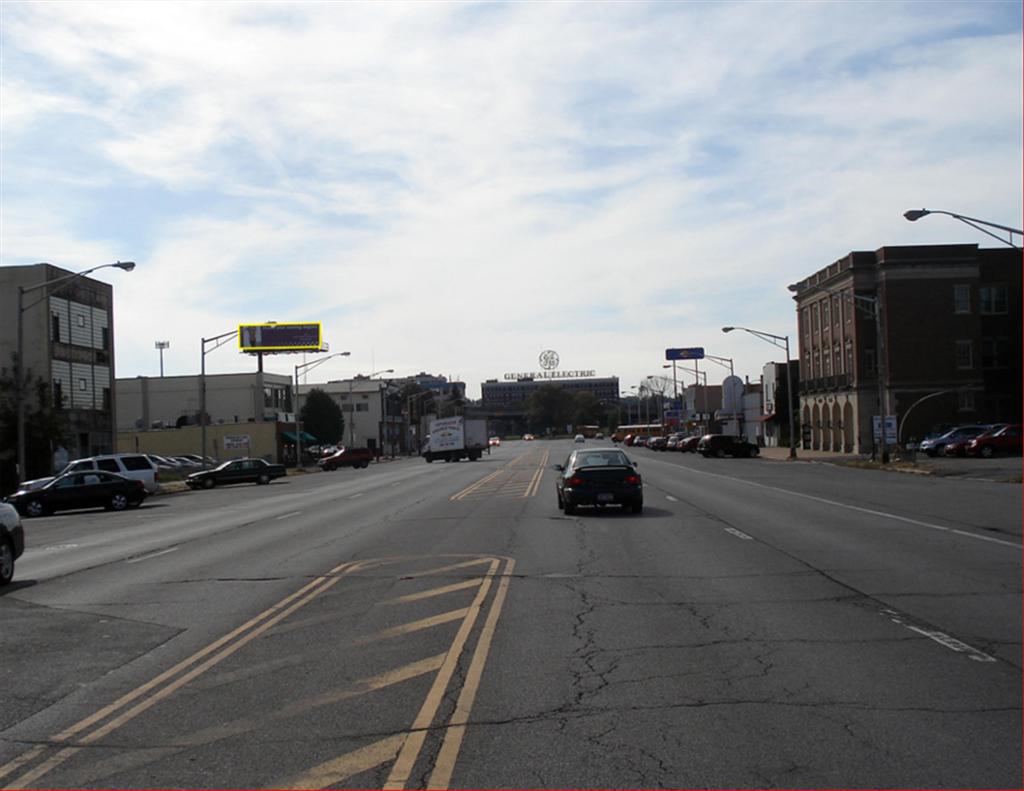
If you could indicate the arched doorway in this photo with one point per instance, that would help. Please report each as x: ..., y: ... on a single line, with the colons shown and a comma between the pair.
x: 816, y: 423
x: 837, y: 428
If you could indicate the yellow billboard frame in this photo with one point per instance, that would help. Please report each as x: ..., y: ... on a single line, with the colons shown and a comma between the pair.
x: 278, y: 325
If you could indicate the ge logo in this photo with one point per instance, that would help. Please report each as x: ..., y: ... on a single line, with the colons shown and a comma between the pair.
x: 548, y: 360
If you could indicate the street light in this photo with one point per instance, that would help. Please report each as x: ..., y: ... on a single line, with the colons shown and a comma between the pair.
x: 161, y: 345
x: 775, y: 341
x: 298, y: 432
x: 913, y: 215
x: 127, y: 266
x: 217, y: 341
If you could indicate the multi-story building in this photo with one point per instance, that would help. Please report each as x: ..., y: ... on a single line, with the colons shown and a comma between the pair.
x: 369, y: 423
x: 504, y: 402
x: 68, y: 346
x: 949, y: 318
x: 775, y: 404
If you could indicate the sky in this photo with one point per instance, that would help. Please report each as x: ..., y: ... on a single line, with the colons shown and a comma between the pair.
x: 456, y: 187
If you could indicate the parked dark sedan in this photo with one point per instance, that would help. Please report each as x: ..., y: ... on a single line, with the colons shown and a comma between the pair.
x: 720, y: 445
x: 599, y: 476
x: 1006, y: 440
x: 236, y: 471
x: 87, y: 489
x: 688, y: 445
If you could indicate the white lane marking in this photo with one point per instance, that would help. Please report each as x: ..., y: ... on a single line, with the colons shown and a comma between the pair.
x: 670, y: 498
x: 941, y: 638
x: 58, y: 547
x: 739, y: 534
x: 851, y: 507
x: 152, y: 555
x: 354, y: 496
x: 285, y: 516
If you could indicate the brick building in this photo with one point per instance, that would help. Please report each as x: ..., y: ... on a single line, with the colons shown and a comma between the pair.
x: 950, y: 320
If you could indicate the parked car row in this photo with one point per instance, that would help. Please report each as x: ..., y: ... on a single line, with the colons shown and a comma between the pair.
x: 985, y: 441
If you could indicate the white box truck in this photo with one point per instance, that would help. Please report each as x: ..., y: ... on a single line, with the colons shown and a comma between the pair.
x: 454, y: 438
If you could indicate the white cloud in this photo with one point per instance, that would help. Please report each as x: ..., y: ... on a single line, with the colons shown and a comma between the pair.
x: 455, y: 187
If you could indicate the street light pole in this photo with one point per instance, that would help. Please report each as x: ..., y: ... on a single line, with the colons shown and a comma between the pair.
x: 127, y: 266
x: 298, y: 430
x: 161, y: 345
x: 782, y: 341
x: 217, y: 341
x: 916, y: 214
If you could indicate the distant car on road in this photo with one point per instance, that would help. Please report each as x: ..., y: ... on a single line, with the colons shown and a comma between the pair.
x: 12, y: 541
x: 86, y: 489
x: 579, y: 438
x: 236, y: 471
x: 1006, y: 440
x: 657, y: 443
x: 528, y: 437
x: 346, y: 457
x: 720, y: 445
x: 494, y: 442
x: 599, y: 476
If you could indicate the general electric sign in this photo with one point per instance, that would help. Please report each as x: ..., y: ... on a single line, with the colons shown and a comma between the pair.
x: 548, y: 360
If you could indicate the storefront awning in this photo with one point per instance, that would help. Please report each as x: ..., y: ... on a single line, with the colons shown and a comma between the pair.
x: 290, y: 436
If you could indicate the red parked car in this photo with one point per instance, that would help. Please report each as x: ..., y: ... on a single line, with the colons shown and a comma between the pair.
x: 958, y: 447
x: 688, y: 445
x: 1006, y: 440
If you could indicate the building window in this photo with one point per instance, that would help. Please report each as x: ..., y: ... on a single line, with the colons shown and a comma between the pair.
x: 828, y: 364
x: 995, y: 352
x: 362, y: 407
x: 80, y: 320
x: 837, y: 360
x: 82, y: 384
x: 965, y: 401
x: 992, y: 300
x: 826, y: 318
x: 849, y: 357
x: 106, y: 399
x: 961, y: 299
x: 55, y: 327
x: 964, y: 355
x: 848, y: 307
x: 105, y: 338
x: 58, y: 394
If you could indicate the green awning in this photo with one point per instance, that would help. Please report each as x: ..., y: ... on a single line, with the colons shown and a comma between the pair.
x: 290, y: 436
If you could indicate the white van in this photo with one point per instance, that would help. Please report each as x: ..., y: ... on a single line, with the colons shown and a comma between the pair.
x: 131, y: 465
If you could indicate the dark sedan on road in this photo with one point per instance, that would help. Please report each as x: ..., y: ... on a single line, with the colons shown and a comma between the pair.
x: 599, y: 476
x: 688, y: 445
x: 236, y: 471
x: 720, y: 445
x: 86, y: 489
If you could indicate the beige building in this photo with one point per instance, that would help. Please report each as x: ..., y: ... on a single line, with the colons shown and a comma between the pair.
x: 363, y: 403
x: 223, y: 441
x: 147, y: 402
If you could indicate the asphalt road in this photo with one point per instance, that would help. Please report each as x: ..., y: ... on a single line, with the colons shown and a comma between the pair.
x: 761, y: 624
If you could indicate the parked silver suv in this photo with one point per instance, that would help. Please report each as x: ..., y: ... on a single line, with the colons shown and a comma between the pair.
x: 136, y: 466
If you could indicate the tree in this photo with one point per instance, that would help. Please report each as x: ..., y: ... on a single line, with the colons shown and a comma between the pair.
x: 322, y: 417
x: 589, y: 411
x: 550, y: 406
x: 46, y: 427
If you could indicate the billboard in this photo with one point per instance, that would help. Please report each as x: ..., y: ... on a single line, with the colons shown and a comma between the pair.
x: 695, y: 353
x: 288, y: 337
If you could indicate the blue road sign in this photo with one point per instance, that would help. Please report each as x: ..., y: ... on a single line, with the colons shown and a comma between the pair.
x: 695, y: 353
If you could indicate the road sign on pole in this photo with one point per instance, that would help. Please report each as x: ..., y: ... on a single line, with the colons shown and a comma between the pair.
x: 693, y: 353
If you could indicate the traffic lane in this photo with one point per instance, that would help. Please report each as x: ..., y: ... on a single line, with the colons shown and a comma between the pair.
x: 206, y: 585
x: 662, y: 650
x: 964, y: 583
x: 72, y: 541
x: 984, y: 505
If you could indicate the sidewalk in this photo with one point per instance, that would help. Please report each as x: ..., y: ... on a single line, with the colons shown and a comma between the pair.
x: 782, y: 454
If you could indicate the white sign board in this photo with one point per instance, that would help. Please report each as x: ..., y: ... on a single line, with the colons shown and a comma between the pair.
x: 235, y: 442
x: 890, y: 429
x: 447, y: 434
